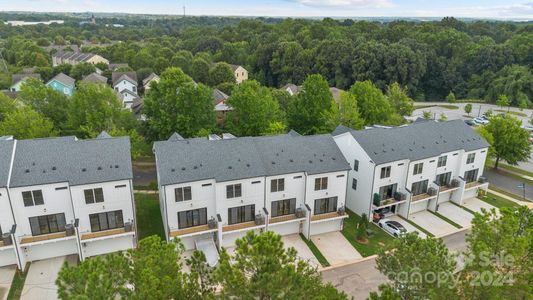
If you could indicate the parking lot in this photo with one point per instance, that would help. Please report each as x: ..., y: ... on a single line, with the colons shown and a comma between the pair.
x: 335, y: 248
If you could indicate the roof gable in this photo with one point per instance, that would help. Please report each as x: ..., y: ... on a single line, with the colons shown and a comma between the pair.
x: 63, y: 79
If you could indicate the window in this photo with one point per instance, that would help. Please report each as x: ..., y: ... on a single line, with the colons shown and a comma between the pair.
x: 47, y: 224
x: 206, y: 184
x: 256, y: 182
x: 354, y: 184
x: 387, y: 192
x: 419, y: 188
x: 32, y: 198
x: 241, y: 214
x: 356, y: 165
x: 283, y: 207
x: 471, y: 157
x: 183, y: 194
x: 443, y: 179
x: 106, y: 221
x: 277, y: 185
x: 191, y: 218
x: 418, y: 168
x: 340, y: 176
x: 65, y: 91
x: 233, y: 191
x: 94, y: 196
x: 134, y: 89
x: 321, y: 183
x: 297, y: 177
x: 471, y: 176
x: 325, y: 205
x: 120, y: 186
x: 385, y: 172
x: 442, y: 161
x: 61, y: 188
x: 1, y: 233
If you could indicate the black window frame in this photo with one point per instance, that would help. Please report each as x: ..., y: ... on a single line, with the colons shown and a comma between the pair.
x: 470, y: 158
x: 277, y: 185
x: 118, y: 215
x: 471, y: 178
x: 418, y: 168
x: 443, y: 179
x: 241, y: 214
x: 385, y: 172
x: 91, y: 195
x: 183, y: 194
x: 283, y: 207
x: 51, y: 222
x: 330, y: 203
x: 233, y: 191
x: 193, y: 218
x: 419, y: 187
x: 354, y: 184
x: 321, y: 183
x: 37, y: 198
x: 443, y: 160
x: 356, y: 165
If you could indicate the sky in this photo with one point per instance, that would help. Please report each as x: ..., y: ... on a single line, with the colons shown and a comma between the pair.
x: 510, y: 9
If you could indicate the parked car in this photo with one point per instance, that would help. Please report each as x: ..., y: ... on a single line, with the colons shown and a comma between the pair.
x: 481, y: 121
x: 470, y: 123
x: 528, y: 127
x: 392, y: 227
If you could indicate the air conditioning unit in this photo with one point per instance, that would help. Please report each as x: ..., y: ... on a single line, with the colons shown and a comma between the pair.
x: 6, y: 239
x: 341, y: 211
x: 259, y: 219
x: 454, y: 183
x: 432, y: 191
x: 300, y: 212
x: 212, y: 223
x: 482, y: 180
x: 128, y: 226
x: 69, y: 229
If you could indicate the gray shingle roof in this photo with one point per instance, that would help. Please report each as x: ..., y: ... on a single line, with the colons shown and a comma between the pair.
x: 116, y: 77
x: 416, y: 141
x: 6, y: 151
x: 67, y: 159
x: 219, y: 96
x: 149, y: 78
x: 95, y: 78
x: 15, y: 78
x: 189, y: 160
x: 64, y: 79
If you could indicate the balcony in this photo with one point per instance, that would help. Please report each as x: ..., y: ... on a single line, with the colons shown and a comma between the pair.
x: 191, y: 230
x: 326, y: 216
x: 286, y: 218
x: 447, y: 189
x: 44, y: 237
x: 100, y: 234
x: 240, y: 226
x: 422, y: 197
x: 476, y: 184
x: 381, y: 203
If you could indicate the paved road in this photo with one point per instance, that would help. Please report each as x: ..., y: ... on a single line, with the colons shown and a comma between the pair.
x: 507, y: 183
x: 527, y: 165
x: 359, y: 279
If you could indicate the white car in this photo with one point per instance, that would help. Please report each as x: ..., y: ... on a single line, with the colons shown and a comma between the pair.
x: 392, y: 227
x: 481, y: 121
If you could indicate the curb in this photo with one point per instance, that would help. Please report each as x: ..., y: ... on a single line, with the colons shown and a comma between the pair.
x: 348, y: 263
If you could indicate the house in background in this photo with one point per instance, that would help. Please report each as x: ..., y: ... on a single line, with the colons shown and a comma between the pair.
x: 128, y: 98
x: 213, y: 190
x: 241, y: 74
x: 125, y: 83
x: 18, y: 79
x: 292, y: 89
x: 74, y: 58
x: 66, y: 196
x: 63, y: 84
x: 94, y: 78
x: 113, y: 67
x: 221, y: 108
x: 151, y: 78
x: 408, y: 169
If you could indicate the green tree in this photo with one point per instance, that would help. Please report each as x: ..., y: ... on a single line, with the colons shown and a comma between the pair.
x: 503, y: 101
x: 7, y: 105
x: 177, y: 104
x: 399, y: 100
x: 263, y: 269
x: 426, y: 115
x: 443, y: 117
x: 385, y: 292
x: 311, y: 110
x: 348, y: 112
x: 362, y: 226
x: 137, y: 141
x: 510, y: 140
x: 26, y: 123
x: 81, y: 70
x: 373, y: 105
x: 275, y: 128
x: 409, y: 261
x: 468, y: 108
x: 451, y: 98
x: 220, y: 73
x: 200, y: 70
x: 254, y: 109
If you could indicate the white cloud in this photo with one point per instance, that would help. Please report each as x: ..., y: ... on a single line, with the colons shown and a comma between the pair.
x: 347, y: 3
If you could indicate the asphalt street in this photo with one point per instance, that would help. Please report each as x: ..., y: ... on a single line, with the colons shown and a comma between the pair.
x: 508, y: 183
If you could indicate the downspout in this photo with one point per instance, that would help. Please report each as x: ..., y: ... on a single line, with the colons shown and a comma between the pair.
x: 134, y: 212
x: 408, y: 190
x: 166, y: 212
x: 370, y: 214
x: 9, y: 181
x: 76, y: 223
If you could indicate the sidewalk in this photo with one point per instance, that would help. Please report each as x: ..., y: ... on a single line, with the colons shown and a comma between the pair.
x: 519, y: 202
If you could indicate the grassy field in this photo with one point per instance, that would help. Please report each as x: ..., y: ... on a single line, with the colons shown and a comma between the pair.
x: 17, y: 284
x: 149, y: 220
x: 498, y: 201
x: 316, y: 252
x: 376, y: 241
x: 447, y: 106
x: 516, y: 113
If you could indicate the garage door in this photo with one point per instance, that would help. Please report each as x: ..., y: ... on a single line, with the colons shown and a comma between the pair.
x: 418, y: 206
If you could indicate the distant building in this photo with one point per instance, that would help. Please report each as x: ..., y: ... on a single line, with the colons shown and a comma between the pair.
x: 95, y: 78
x: 292, y: 89
x: 74, y: 58
x: 125, y: 83
x: 151, y: 78
x: 62, y: 83
x: 221, y: 108
x: 241, y: 74
x: 114, y: 67
x: 18, y: 79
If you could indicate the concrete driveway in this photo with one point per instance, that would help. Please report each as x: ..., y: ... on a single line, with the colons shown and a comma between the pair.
x: 304, y: 253
x: 41, y: 277
x: 335, y: 248
x: 476, y: 205
x: 435, y: 225
x: 456, y: 214
x: 407, y: 226
x: 6, y: 277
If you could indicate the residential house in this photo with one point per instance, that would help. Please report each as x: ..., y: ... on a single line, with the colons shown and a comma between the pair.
x: 125, y: 83
x: 18, y: 79
x: 148, y: 80
x: 63, y: 84
x: 95, y: 78
x: 292, y: 89
x: 241, y: 74
x: 221, y: 108
x: 407, y: 169
x: 128, y: 98
x: 67, y: 196
x: 216, y: 189
x: 74, y: 58
x: 113, y: 67
x: 8, y: 255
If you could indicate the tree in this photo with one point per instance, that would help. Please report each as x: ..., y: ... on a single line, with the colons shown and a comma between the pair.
x: 399, y: 100
x: 221, y: 72
x: 7, y: 105
x: 263, y: 269
x: 510, y: 140
x: 348, y: 112
x: 311, y: 110
x: 468, y: 108
x: 26, y: 123
x: 498, y: 261
x: 177, y: 104
x: 412, y: 265
x: 362, y: 227
x: 254, y: 109
x: 200, y: 70
x: 443, y: 117
x: 373, y: 106
x: 426, y: 115
x: 503, y: 101
x: 81, y: 70
x: 451, y: 98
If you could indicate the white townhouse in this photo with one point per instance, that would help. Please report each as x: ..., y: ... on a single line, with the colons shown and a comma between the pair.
x: 217, y: 189
x: 407, y: 169
x: 69, y: 196
x: 7, y: 223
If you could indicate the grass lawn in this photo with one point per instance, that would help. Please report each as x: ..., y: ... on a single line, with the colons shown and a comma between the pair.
x: 149, y: 220
x: 498, y: 201
x: 378, y: 240
x: 447, y: 106
x: 516, y: 113
x: 316, y: 252
x: 17, y: 284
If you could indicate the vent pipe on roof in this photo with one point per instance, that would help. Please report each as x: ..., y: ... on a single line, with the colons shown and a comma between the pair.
x: 227, y: 136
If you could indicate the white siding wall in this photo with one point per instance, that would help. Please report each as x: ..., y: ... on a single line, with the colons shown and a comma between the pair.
x: 429, y: 170
x: 336, y: 188
x: 398, y: 175
x: 125, y: 85
x: 294, y: 188
x: 6, y: 217
x: 252, y: 193
x: 479, y: 162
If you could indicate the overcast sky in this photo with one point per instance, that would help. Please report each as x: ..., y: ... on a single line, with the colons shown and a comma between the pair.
x: 522, y: 9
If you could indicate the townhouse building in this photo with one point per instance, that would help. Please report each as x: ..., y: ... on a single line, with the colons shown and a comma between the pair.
x: 217, y: 189
x: 67, y: 197
x: 408, y: 169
